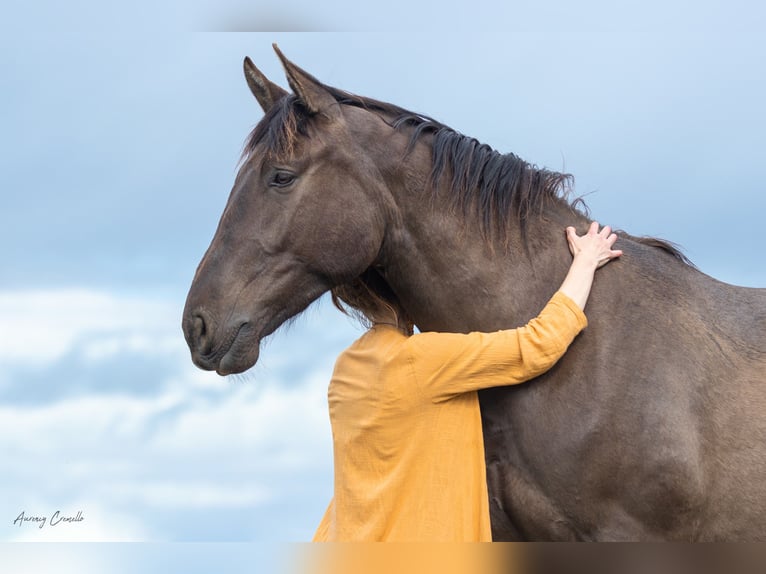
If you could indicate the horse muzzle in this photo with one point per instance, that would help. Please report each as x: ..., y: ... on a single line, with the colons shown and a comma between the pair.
x: 228, y: 350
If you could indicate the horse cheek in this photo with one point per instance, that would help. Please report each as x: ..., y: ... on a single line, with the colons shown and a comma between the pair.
x: 343, y: 243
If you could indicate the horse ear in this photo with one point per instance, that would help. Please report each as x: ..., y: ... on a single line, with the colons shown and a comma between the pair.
x: 309, y: 90
x: 265, y: 91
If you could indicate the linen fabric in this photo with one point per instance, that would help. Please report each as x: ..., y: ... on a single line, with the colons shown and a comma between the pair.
x: 407, y: 435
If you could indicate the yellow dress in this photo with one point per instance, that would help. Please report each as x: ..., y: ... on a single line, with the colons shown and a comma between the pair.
x: 407, y: 437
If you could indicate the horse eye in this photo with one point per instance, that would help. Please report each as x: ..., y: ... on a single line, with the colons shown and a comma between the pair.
x: 282, y: 179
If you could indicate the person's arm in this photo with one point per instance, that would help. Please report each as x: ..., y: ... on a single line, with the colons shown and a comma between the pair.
x: 447, y: 364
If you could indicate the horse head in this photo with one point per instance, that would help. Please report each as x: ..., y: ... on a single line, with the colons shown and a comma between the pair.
x: 306, y: 213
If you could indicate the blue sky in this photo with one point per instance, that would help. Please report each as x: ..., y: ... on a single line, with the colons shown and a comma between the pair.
x: 119, y: 143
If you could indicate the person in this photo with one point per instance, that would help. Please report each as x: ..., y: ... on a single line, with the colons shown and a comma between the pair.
x: 404, y: 410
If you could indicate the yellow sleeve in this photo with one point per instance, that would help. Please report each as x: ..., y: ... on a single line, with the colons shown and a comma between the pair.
x: 447, y: 364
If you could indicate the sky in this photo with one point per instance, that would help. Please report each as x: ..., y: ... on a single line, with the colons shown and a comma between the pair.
x: 120, y: 132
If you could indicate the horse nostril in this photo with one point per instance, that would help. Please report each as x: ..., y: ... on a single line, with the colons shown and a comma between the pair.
x: 199, y: 326
x: 199, y: 340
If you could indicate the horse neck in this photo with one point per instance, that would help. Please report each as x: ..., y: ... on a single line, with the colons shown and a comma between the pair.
x: 451, y: 278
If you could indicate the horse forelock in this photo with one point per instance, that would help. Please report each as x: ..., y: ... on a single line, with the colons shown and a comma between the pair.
x: 279, y: 130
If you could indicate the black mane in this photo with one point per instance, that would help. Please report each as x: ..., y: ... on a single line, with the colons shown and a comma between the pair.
x: 480, y: 178
x: 495, y: 186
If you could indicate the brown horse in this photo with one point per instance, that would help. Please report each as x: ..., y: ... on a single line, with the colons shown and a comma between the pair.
x: 653, y: 426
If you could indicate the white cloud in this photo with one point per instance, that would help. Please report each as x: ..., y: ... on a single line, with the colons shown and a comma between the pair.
x: 193, y: 494
x: 199, y: 444
x: 256, y: 415
x: 127, y: 460
x: 43, y: 325
x: 133, y: 342
x: 84, y: 423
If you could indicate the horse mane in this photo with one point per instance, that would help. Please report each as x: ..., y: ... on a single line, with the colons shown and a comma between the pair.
x: 664, y: 245
x: 495, y: 186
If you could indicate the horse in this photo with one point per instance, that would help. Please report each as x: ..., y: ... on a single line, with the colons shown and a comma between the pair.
x: 651, y: 427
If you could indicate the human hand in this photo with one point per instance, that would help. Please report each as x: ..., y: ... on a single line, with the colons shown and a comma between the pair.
x: 595, y: 247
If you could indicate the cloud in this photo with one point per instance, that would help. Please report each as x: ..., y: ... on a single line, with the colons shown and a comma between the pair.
x: 115, y: 421
x: 68, y: 343
x: 40, y: 326
x: 158, y: 464
x: 75, y: 375
x: 190, y: 495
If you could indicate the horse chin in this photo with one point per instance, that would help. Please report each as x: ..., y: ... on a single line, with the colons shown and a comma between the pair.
x: 242, y: 355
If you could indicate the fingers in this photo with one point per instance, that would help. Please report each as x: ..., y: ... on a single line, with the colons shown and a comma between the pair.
x: 594, y: 229
x: 571, y: 239
x: 572, y: 236
x: 596, y: 241
x: 606, y: 233
x: 613, y: 254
